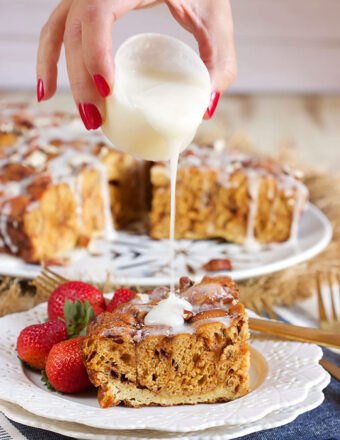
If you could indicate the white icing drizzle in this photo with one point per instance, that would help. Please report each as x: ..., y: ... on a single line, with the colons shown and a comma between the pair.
x: 166, y: 318
x: 212, y: 158
x: 74, y: 152
x: 36, y: 160
x: 6, y: 210
x: 9, y: 190
x: 214, y: 291
x: 142, y: 297
x: 174, y: 148
x: 219, y: 145
x: 301, y: 194
x: 164, y: 331
x: 250, y: 243
x: 168, y: 314
x: 225, y: 320
x: 34, y: 144
x: 62, y: 169
x: 109, y: 231
x: 271, y: 193
x: 226, y: 163
x: 33, y: 205
x: 144, y: 307
x: 169, y: 311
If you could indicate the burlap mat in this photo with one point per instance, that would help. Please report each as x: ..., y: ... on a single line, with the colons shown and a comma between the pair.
x: 284, y: 287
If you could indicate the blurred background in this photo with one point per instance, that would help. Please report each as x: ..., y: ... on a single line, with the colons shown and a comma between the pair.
x: 289, y: 68
x: 282, y: 46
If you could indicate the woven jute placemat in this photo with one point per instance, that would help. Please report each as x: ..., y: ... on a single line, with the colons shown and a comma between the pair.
x: 284, y: 287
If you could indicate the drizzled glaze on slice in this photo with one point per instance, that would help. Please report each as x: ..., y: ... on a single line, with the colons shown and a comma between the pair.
x: 226, y: 163
x: 212, y: 300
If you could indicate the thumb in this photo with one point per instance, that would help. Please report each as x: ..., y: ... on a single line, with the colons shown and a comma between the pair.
x: 211, y: 24
x: 217, y: 48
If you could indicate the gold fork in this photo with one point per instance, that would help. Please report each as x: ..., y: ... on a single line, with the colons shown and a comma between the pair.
x: 325, y: 285
x: 333, y: 369
x: 47, y: 280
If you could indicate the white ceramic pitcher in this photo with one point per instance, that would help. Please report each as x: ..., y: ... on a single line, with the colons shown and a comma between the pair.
x: 161, y: 92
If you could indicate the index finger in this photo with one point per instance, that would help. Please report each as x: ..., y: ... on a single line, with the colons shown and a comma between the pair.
x: 51, y: 39
x: 97, y: 21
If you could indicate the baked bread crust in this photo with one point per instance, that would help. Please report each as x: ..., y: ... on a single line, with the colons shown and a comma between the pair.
x: 204, y: 361
x: 58, y: 185
x: 229, y: 195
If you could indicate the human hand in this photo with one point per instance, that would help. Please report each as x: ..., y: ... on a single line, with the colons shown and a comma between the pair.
x: 211, y: 23
x: 90, y: 63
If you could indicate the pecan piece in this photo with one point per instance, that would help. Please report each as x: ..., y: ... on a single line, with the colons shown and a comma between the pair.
x: 83, y: 241
x: 185, y: 283
x: 187, y: 315
x: 217, y: 264
x: 62, y: 261
x: 209, y: 314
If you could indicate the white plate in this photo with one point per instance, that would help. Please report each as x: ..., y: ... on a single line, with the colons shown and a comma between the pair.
x: 281, y: 376
x: 139, y: 260
x: 272, y: 420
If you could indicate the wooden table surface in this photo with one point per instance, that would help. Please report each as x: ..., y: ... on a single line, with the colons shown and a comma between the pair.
x: 311, y: 124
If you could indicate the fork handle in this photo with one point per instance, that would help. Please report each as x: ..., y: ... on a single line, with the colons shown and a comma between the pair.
x: 333, y: 369
x: 296, y: 333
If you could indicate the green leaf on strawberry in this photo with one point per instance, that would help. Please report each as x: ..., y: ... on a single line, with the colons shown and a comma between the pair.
x: 77, y: 315
x: 45, y: 381
x: 74, y: 290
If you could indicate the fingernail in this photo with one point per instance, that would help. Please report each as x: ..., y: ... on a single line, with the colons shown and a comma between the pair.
x: 40, y: 90
x: 102, y: 85
x: 83, y: 117
x: 92, y: 115
x: 215, y: 96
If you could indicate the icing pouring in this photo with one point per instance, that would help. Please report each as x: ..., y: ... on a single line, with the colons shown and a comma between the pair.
x: 162, y: 89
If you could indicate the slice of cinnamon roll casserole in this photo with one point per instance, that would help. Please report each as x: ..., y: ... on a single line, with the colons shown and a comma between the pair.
x: 166, y: 349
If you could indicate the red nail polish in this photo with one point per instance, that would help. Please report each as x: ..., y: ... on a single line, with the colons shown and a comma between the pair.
x: 40, y: 90
x: 83, y: 116
x: 93, y: 116
x: 215, y: 96
x: 102, y: 85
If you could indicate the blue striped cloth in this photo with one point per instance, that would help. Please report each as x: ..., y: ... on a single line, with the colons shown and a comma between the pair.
x: 322, y: 423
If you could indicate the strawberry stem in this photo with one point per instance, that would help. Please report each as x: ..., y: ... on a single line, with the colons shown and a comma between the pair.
x: 45, y: 381
x: 77, y: 315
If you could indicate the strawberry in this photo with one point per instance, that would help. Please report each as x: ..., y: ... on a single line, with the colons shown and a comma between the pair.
x: 97, y: 310
x: 65, y: 371
x: 74, y: 290
x: 35, y: 342
x: 120, y: 296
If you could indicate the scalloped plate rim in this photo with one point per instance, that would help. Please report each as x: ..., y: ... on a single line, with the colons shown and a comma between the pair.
x: 287, y: 415
x: 37, y: 404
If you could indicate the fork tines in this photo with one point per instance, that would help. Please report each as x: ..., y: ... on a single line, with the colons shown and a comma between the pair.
x: 48, y: 280
x: 327, y: 285
x: 263, y: 308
